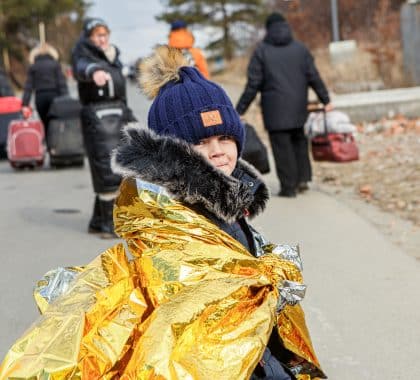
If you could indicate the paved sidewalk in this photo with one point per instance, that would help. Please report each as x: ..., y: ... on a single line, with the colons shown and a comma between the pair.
x: 363, y: 298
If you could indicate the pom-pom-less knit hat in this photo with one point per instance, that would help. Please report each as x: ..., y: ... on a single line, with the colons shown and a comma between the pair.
x: 186, y: 105
x: 91, y: 23
x: 274, y: 17
x: 178, y: 24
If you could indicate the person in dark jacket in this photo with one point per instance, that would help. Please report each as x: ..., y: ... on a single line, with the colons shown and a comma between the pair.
x: 98, y: 70
x: 5, y: 87
x: 45, y: 78
x: 282, y: 69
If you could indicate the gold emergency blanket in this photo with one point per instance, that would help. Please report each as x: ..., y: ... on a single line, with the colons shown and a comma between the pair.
x: 184, y: 301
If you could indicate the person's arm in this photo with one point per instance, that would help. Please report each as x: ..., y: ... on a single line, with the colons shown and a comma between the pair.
x: 254, y: 84
x: 27, y: 90
x: 200, y: 62
x: 83, y: 66
x: 315, y: 81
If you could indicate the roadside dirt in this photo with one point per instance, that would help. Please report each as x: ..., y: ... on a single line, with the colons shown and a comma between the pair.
x: 384, y: 185
x: 388, y: 172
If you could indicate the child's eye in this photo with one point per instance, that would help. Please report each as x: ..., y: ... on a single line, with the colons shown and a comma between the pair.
x: 225, y: 137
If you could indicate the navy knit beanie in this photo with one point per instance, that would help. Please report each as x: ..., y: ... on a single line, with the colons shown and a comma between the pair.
x: 189, y: 106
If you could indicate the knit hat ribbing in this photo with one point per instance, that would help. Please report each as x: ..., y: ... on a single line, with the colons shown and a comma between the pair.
x: 187, y: 105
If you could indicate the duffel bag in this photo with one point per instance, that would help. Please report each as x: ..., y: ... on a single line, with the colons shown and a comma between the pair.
x: 255, y: 151
x: 334, y: 147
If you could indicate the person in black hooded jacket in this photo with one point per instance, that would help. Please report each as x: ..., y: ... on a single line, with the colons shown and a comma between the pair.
x: 98, y: 70
x: 45, y: 78
x: 282, y: 69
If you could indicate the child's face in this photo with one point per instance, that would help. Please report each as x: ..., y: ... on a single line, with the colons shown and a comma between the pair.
x: 221, y: 151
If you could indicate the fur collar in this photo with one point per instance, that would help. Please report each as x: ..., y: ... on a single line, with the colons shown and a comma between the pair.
x: 186, y: 175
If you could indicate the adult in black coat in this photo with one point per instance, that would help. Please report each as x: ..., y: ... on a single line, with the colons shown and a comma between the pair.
x: 101, y: 84
x: 282, y: 69
x: 45, y: 78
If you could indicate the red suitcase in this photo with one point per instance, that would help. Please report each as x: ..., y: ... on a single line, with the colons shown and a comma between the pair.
x: 25, y: 143
x: 10, y: 109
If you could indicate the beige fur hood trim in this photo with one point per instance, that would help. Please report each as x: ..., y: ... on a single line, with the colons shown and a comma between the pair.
x: 42, y: 49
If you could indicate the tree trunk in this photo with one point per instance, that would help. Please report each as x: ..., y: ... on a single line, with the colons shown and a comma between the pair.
x: 227, y: 48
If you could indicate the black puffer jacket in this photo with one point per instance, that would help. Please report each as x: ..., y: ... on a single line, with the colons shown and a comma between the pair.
x: 44, y: 75
x: 282, y: 69
x: 5, y: 88
x: 86, y: 59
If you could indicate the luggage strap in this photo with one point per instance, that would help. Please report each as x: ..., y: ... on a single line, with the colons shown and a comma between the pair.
x: 111, y: 111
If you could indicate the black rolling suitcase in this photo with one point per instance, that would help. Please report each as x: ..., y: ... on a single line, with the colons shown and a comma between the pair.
x: 102, y: 127
x: 64, y: 133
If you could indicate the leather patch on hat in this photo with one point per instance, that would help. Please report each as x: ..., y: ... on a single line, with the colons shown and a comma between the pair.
x: 211, y: 118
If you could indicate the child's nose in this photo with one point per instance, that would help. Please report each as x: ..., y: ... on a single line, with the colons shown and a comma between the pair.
x: 215, y: 148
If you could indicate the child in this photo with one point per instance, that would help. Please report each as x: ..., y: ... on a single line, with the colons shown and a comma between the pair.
x: 202, y: 293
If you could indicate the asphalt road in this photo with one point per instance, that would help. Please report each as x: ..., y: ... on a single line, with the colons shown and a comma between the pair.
x: 363, y: 298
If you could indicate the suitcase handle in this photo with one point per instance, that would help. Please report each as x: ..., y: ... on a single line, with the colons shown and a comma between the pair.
x: 319, y: 109
x: 111, y: 88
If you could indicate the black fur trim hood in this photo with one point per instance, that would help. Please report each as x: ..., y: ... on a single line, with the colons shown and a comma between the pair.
x: 173, y: 164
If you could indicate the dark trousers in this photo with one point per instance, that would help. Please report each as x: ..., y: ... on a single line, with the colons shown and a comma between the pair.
x: 43, y: 100
x: 291, y: 155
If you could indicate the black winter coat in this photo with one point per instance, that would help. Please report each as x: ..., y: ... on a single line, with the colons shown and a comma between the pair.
x: 238, y: 229
x: 86, y: 59
x: 101, y: 137
x: 44, y: 74
x: 282, y: 69
x: 5, y: 88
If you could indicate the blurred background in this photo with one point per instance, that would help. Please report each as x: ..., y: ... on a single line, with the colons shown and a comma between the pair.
x: 377, y: 37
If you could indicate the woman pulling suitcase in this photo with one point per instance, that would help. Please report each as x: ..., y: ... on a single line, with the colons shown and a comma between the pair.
x: 45, y: 78
x: 102, y: 92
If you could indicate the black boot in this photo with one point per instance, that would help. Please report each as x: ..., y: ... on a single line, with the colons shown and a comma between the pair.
x: 95, y: 224
x: 107, y: 226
